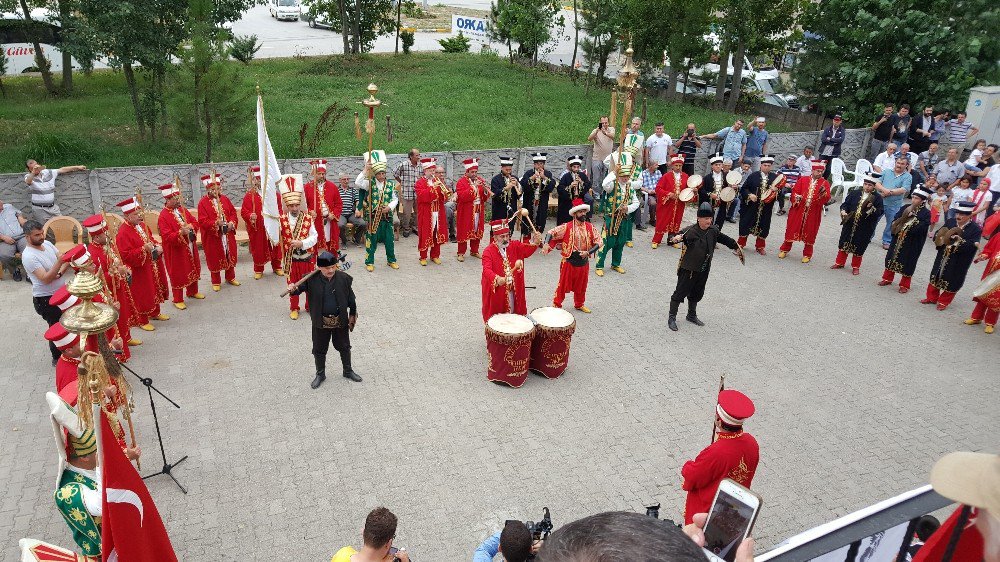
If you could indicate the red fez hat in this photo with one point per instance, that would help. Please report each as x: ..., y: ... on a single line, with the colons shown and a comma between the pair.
x: 128, y: 205
x: 60, y: 336
x: 734, y: 407
x: 95, y: 224
x: 63, y: 299
x: 499, y: 227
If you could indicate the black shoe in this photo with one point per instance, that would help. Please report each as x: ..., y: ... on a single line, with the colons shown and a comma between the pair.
x: 17, y: 274
x: 453, y: 238
x: 320, y: 377
x: 406, y: 235
x: 642, y: 228
x: 350, y: 374
x: 54, y: 361
x: 672, y: 323
x: 731, y: 220
x: 694, y: 320
x: 780, y: 212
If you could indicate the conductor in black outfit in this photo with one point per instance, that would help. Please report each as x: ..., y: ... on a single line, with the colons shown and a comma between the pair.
x: 333, y: 311
x: 696, y: 262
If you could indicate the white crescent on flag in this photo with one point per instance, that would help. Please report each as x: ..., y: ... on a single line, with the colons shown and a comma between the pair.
x: 117, y: 495
x: 270, y: 174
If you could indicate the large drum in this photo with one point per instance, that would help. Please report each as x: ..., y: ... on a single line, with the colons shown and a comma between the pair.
x: 508, y: 344
x: 988, y: 291
x: 550, y: 350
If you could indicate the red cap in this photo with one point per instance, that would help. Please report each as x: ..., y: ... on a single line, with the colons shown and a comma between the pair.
x: 734, y: 407
x: 60, y: 336
x: 255, y: 171
x: 470, y: 163
x: 95, y: 224
x: 63, y: 299
x: 128, y: 205
x: 677, y: 159
x: 209, y: 180
x: 818, y: 164
x: 319, y: 163
x: 169, y: 190
x: 77, y: 256
x: 426, y: 163
x: 499, y: 227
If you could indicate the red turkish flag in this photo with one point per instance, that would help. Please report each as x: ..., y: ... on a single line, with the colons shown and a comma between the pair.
x: 131, y: 528
x: 970, y: 542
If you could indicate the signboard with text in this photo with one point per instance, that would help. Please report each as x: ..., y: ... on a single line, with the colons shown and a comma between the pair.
x: 469, y: 26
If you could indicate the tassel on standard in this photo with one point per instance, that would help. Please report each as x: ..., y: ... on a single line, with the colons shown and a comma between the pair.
x: 357, y: 126
x: 388, y: 129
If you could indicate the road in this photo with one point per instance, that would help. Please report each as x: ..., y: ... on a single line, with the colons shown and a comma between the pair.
x: 290, y: 38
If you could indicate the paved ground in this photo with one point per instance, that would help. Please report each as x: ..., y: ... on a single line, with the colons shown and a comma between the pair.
x: 859, y: 390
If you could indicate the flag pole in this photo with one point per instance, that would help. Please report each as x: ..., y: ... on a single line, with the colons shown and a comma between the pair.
x: 722, y: 386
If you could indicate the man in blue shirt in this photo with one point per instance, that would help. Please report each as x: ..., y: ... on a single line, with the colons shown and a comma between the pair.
x: 733, y: 140
x: 893, y: 187
x: 756, y: 143
x: 514, y: 542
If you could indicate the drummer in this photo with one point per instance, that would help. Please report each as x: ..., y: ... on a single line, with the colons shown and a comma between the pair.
x: 669, y: 207
x: 987, y: 295
x: 711, y: 191
x: 502, y: 281
x: 579, y: 241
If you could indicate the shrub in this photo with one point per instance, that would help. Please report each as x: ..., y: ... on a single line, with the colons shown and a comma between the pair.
x: 458, y: 44
x: 243, y: 48
x: 407, y: 36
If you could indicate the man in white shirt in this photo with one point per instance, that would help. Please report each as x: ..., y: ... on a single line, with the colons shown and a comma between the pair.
x: 804, y: 162
x: 633, y: 129
x: 41, y: 183
x: 658, y: 147
x: 45, y: 270
x: 885, y: 160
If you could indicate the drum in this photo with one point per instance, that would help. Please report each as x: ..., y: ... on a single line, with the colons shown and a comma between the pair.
x: 508, y: 344
x: 687, y: 194
x: 550, y: 349
x: 988, y: 291
x: 727, y: 194
x: 734, y: 177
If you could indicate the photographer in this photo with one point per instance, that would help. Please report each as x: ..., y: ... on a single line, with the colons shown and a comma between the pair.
x: 379, y: 531
x: 603, y: 138
x: 687, y: 146
x: 514, y: 542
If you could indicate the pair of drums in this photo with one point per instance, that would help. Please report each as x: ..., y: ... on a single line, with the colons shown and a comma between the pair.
x: 539, y: 341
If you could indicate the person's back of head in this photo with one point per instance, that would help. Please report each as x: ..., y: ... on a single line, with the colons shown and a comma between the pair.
x: 515, y: 542
x: 380, y: 528
x: 618, y: 536
x: 926, y: 526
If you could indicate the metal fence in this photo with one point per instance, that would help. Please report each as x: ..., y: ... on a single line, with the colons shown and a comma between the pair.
x: 81, y: 194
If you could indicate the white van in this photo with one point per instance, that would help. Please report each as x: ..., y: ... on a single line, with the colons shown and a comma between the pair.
x: 286, y: 10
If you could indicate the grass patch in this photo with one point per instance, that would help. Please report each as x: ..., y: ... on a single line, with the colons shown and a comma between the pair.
x: 437, y: 102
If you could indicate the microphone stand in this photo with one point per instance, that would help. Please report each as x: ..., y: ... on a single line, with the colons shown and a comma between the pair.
x: 167, y: 467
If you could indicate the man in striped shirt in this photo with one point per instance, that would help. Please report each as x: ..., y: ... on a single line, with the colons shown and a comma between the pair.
x: 649, y: 178
x: 791, y: 171
x: 959, y: 130
x: 351, y: 214
x: 41, y: 183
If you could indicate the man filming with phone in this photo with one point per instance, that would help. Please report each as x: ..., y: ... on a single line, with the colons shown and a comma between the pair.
x: 514, y: 543
x: 378, y: 534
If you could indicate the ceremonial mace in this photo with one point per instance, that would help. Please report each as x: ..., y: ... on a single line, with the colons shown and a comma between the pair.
x: 371, y: 102
x: 624, y: 92
x: 722, y: 386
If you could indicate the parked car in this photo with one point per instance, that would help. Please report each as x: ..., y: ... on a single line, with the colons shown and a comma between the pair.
x: 287, y: 10
x: 319, y: 20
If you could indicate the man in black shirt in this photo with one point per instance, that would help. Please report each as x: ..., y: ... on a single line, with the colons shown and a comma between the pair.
x: 696, y: 263
x: 882, y: 131
x: 333, y: 311
x: 687, y: 146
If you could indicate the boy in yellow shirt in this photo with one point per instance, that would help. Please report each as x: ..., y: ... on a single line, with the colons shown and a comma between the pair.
x: 379, y: 531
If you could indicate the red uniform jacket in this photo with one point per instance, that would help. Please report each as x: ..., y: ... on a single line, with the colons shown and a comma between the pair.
x: 430, y: 201
x: 149, y: 280
x: 260, y: 245
x: 802, y: 224
x: 66, y: 371
x: 180, y: 254
x: 992, y: 252
x: 217, y: 258
x: 119, y: 290
x: 467, y: 207
x: 733, y: 455
x: 669, y: 212
x: 496, y: 300
x: 329, y: 234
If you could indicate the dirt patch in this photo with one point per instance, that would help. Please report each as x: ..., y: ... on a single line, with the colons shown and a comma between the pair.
x: 439, y: 17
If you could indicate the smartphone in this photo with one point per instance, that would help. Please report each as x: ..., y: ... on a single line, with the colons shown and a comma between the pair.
x: 733, y: 514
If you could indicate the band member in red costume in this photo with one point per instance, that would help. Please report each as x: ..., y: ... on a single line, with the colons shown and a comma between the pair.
x: 262, y: 250
x: 503, y: 272
x: 325, y: 206
x: 470, y: 209
x: 432, y: 223
x: 579, y: 241
x: 806, y: 212
x: 217, y: 218
x: 143, y: 254
x: 180, y: 247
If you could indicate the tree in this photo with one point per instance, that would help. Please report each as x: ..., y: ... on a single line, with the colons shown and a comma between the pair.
x: 40, y: 62
x: 209, y: 97
x: 681, y: 35
x: 361, y: 21
x: 528, y: 23
x: 929, y: 53
x: 603, y: 21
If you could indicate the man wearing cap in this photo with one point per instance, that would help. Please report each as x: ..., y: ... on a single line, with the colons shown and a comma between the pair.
x: 907, y: 240
x: 699, y: 242
x: 298, y: 238
x: 991, y: 255
x: 859, y: 216
x: 669, y: 207
x: 536, y: 185
x: 956, y: 248
x: 470, y: 209
x: 333, y: 311
x: 506, y: 190
x: 217, y: 218
x: 325, y: 206
x: 892, y: 188
x: 572, y: 185
x: 432, y: 223
x: 711, y: 188
x: 378, y: 205
x: 756, y: 143
x: 733, y: 454
x: 180, y: 246
x: 755, y: 212
x: 68, y: 345
x: 633, y: 144
x: 579, y: 241
x: 262, y: 250
x: 831, y: 140
x: 972, y: 532
x: 618, y: 203
x: 805, y: 213
x: 144, y: 257
x: 116, y: 275
x: 502, y: 281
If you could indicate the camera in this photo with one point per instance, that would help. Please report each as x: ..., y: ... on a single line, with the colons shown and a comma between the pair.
x: 540, y: 531
x: 653, y: 511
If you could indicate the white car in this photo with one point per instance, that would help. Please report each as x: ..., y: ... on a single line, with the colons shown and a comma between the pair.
x: 287, y: 10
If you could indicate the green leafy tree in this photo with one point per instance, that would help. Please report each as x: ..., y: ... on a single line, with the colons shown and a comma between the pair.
x: 361, y: 21
x: 929, y: 52
x: 681, y: 35
x: 244, y: 47
x: 529, y: 23
x: 604, y: 23
x: 210, y: 99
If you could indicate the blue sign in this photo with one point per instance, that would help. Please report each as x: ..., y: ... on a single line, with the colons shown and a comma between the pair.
x: 473, y: 27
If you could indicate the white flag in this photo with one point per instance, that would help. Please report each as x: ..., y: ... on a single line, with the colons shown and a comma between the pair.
x: 270, y: 175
